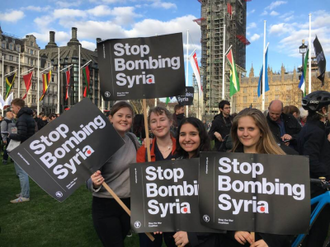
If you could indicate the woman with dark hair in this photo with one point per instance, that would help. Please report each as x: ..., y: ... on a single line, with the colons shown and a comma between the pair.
x: 162, y: 147
x: 192, y: 139
x: 111, y: 222
x: 251, y: 134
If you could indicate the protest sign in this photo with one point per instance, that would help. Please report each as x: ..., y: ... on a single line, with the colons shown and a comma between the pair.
x: 63, y: 154
x: 141, y: 68
x: 255, y: 192
x: 164, y: 196
x: 188, y: 98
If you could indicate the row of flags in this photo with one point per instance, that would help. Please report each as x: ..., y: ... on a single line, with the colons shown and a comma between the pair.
x: 46, y: 79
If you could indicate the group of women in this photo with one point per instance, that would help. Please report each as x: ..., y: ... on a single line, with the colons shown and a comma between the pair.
x: 250, y: 134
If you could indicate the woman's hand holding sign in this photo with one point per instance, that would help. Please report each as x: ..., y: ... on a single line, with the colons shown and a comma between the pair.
x: 97, y: 179
x: 181, y: 238
x: 242, y: 237
x: 259, y: 243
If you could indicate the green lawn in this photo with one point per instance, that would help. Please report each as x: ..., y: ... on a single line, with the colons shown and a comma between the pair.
x: 43, y: 221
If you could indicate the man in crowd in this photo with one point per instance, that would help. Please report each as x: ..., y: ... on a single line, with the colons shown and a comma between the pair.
x: 221, y: 125
x: 284, y: 127
x: 6, y: 127
x: 25, y: 128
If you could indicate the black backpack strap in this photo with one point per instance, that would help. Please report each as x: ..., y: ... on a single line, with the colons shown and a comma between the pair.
x: 132, y: 139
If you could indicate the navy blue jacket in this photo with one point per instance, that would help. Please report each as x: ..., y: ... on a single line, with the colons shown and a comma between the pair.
x: 25, y: 125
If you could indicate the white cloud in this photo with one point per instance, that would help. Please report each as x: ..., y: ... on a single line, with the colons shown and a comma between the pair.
x: 108, y: 1
x: 68, y: 4
x: 281, y: 28
x: 255, y: 37
x: 165, y: 5
x: 274, y: 13
x: 273, y: 5
x: 88, y: 45
x: 36, y: 8
x: 68, y: 13
x: 13, y: 16
x: 100, y: 10
x: 251, y: 12
x: 252, y: 25
x: 264, y: 13
x: 124, y: 15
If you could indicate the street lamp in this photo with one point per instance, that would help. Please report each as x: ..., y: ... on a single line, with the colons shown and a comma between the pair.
x: 303, y: 50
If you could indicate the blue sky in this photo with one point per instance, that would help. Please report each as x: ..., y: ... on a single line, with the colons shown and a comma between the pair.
x: 287, y: 24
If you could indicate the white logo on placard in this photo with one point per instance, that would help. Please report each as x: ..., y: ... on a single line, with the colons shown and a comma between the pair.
x: 206, y: 218
x: 137, y: 224
x: 59, y: 194
x: 107, y: 94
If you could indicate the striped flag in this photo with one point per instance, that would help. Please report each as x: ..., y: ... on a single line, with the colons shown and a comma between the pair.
x: 260, y: 83
x: 86, y: 80
x: 45, y: 83
x: 302, y: 83
x: 9, y: 84
x: 234, y: 82
x: 194, y: 65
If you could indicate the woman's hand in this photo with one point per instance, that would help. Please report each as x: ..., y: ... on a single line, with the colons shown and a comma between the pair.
x: 259, y: 243
x: 242, y: 237
x: 97, y: 179
x: 181, y: 238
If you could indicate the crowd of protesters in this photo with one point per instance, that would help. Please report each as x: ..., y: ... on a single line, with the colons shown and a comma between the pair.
x: 282, y: 130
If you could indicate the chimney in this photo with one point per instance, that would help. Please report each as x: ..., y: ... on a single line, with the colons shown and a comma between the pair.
x: 51, y: 43
x: 74, y: 40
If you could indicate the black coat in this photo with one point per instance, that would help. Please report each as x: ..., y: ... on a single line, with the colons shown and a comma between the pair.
x: 312, y: 141
x: 25, y: 125
x: 291, y: 125
x: 222, y: 125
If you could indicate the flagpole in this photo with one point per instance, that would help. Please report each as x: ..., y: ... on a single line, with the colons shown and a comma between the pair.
x: 310, y: 55
x: 79, y: 74
x: 58, y: 80
x: 264, y: 70
x: 19, y: 75
x: 187, y: 62
x: 38, y: 87
x: 223, y: 61
x: 2, y: 79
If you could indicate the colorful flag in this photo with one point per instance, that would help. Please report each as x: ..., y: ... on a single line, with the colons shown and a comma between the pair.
x: 9, y: 84
x: 194, y: 65
x: 234, y: 82
x: 320, y: 57
x: 27, y: 80
x: 302, y: 83
x: 229, y: 9
x: 86, y: 80
x: 168, y: 99
x: 260, y: 83
x: 45, y: 83
x: 67, y: 79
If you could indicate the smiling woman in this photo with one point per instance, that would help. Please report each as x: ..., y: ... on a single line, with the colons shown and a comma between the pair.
x: 111, y: 222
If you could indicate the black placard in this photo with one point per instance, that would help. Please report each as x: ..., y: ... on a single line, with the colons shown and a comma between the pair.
x: 141, y: 68
x: 164, y: 196
x: 255, y: 192
x: 188, y: 98
x: 63, y: 154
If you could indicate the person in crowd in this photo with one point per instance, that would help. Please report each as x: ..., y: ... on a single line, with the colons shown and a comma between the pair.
x: 303, y: 116
x: 162, y: 147
x: 221, y: 125
x: 293, y: 110
x: 52, y: 117
x: 192, y: 139
x: 178, y: 115
x: 25, y: 125
x: 314, y: 141
x: 6, y: 128
x: 138, y: 127
x: 251, y: 134
x: 110, y: 220
x: 284, y: 127
x: 40, y: 122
